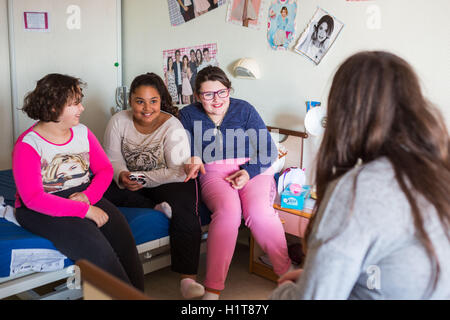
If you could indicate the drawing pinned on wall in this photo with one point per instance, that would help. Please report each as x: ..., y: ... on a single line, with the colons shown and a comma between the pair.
x: 246, y: 13
x: 36, y: 21
x: 181, y: 11
x: 319, y: 36
x: 181, y: 66
x: 281, y: 23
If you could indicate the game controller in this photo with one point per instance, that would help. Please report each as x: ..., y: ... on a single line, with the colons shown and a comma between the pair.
x: 140, y: 178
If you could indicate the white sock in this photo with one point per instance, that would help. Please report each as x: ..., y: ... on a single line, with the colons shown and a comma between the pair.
x: 165, y: 208
x: 191, y: 289
x: 210, y: 296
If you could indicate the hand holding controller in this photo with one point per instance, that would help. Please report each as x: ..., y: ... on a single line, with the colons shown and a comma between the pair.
x: 138, y: 177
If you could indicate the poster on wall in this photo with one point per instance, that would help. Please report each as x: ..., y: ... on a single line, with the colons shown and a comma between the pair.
x: 181, y: 11
x: 281, y: 23
x: 318, y: 37
x: 246, y: 13
x: 181, y: 66
x: 36, y: 21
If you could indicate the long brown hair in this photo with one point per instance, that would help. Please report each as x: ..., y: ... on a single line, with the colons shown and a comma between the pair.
x: 376, y: 109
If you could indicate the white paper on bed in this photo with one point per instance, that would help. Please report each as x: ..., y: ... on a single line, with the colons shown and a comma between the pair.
x: 38, y: 260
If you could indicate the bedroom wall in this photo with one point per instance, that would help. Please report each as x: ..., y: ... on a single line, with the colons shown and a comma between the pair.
x: 417, y: 30
x: 88, y: 50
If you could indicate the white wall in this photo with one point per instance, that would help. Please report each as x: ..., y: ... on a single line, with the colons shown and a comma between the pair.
x: 6, y: 128
x: 417, y: 30
x: 88, y: 53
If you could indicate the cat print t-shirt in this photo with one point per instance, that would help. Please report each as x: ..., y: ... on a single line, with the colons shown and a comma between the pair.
x: 159, y: 156
x: 143, y: 157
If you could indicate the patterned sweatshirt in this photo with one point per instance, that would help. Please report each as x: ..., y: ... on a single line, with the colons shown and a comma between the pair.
x: 159, y: 156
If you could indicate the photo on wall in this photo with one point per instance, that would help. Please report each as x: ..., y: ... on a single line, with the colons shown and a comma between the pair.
x: 246, y: 13
x: 319, y: 36
x: 181, y: 66
x: 281, y: 23
x: 181, y: 11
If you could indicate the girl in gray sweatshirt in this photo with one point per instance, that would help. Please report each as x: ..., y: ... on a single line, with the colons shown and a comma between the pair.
x: 381, y: 223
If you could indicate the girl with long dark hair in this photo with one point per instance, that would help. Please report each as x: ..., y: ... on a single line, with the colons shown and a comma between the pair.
x: 381, y: 223
x: 147, y: 146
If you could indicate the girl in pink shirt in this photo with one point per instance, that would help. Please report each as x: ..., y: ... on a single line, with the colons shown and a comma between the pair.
x: 56, y: 197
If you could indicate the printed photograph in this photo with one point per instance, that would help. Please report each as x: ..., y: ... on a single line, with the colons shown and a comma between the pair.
x: 319, y: 36
x: 181, y: 67
x: 281, y: 23
x: 246, y: 13
x: 181, y: 11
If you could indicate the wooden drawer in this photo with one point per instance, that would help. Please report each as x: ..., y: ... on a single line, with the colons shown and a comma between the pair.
x: 293, y: 224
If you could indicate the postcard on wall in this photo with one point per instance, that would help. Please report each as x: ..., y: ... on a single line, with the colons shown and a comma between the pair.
x: 318, y: 37
x: 246, y: 13
x: 36, y: 21
x: 281, y: 23
x: 181, y: 11
x: 181, y: 66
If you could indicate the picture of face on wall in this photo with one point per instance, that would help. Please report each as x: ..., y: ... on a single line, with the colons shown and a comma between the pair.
x: 321, y: 33
x: 181, y: 66
x: 181, y: 11
x: 281, y: 23
x: 246, y: 13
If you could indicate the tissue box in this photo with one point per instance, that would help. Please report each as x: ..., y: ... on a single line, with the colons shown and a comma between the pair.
x: 290, y: 200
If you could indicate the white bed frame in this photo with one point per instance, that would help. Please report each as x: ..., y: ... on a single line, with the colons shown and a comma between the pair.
x: 22, y: 285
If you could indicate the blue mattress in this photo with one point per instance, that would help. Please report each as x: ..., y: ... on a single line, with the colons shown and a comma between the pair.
x: 145, y: 224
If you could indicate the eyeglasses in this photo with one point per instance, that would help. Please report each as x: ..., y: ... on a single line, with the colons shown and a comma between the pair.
x: 209, y: 95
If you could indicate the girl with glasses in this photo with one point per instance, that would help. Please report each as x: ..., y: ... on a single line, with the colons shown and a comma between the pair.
x: 232, y: 151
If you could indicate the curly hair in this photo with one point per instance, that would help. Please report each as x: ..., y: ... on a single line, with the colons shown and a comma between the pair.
x: 153, y: 80
x: 52, y: 93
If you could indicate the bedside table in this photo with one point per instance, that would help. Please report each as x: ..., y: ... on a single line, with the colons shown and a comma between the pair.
x: 294, y: 223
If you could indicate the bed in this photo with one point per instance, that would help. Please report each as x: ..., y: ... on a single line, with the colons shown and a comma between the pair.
x: 149, y: 227
x: 28, y: 261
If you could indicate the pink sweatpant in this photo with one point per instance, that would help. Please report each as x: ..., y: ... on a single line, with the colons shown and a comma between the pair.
x: 227, y: 205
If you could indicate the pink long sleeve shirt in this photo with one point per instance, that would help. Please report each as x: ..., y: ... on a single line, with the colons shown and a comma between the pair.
x: 41, y: 168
